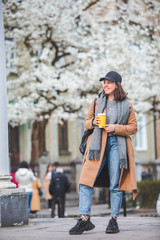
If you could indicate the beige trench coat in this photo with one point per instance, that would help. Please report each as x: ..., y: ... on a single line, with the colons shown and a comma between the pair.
x: 46, y: 184
x: 90, y: 168
x: 35, y: 202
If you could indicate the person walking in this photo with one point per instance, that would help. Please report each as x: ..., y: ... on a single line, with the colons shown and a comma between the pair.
x: 109, y: 157
x: 25, y: 177
x: 55, y: 166
x: 35, y: 202
x: 13, y: 175
x: 58, y: 188
x: 46, y: 183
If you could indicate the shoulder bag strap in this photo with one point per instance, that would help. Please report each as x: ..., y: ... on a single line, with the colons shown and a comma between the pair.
x: 94, y: 107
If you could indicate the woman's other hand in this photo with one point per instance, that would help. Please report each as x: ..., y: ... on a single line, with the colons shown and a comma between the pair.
x: 109, y: 128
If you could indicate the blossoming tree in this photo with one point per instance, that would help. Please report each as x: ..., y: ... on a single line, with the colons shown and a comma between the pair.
x: 64, y: 47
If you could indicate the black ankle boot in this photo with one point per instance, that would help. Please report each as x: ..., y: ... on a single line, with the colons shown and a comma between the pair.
x: 112, y: 226
x: 81, y: 226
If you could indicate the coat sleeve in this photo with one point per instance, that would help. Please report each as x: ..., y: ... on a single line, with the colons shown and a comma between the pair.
x: 39, y: 185
x: 51, y: 187
x: 130, y: 128
x: 67, y: 185
x: 88, y: 119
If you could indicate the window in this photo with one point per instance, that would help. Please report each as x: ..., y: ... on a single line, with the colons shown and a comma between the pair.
x: 63, y: 137
x: 141, y: 136
x: 10, y: 47
x: 13, y: 138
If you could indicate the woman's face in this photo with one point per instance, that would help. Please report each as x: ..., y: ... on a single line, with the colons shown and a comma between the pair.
x: 50, y: 168
x: 109, y: 87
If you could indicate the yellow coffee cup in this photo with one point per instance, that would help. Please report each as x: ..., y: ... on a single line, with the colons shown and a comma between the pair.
x: 102, y: 117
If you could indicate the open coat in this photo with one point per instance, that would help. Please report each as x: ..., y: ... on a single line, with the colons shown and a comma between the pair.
x: 46, y: 184
x: 35, y: 202
x: 90, y: 168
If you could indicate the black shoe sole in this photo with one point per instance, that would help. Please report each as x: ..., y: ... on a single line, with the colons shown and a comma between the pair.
x: 111, y: 231
x: 91, y: 227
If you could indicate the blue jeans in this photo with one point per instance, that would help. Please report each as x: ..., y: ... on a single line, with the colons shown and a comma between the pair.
x: 29, y: 201
x: 112, y: 158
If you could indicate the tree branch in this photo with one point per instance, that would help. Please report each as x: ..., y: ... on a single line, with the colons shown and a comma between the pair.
x: 71, y: 110
x: 91, y: 4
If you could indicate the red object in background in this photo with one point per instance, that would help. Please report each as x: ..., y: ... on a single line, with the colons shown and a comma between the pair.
x: 14, y: 179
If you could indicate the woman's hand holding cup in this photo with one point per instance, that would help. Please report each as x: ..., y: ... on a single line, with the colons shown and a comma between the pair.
x: 100, y: 120
x: 107, y: 127
x: 96, y: 121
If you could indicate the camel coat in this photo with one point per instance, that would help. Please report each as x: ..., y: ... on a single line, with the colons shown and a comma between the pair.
x: 46, y: 184
x: 90, y: 168
x: 35, y: 202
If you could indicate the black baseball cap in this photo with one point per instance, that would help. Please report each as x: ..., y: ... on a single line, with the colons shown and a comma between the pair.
x: 112, y: 76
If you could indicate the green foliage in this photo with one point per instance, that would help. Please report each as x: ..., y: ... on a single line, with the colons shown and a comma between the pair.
x: 148, y: 193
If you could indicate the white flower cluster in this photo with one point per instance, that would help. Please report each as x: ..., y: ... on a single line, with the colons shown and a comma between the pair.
x: 64, y: 47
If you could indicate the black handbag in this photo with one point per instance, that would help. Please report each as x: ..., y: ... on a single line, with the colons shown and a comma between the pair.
x: 86, y: 134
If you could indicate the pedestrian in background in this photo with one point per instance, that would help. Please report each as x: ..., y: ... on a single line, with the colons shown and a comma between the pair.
x: 46, y: 183
x: 58, y: 188
x: 109, y: 156
x: 146, y: 175
x: 25, y: 177
x: 35, y: 202
x: 55, y: 166
x: 13, y: 175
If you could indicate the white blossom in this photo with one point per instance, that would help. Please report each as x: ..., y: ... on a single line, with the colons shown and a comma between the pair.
x: 64, y: 47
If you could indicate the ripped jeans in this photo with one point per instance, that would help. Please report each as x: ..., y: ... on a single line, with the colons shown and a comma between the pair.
x: 112, y: 158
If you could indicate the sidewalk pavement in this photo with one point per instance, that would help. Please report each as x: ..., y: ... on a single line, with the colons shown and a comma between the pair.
x: 97, y: 211
x: 134, y: 226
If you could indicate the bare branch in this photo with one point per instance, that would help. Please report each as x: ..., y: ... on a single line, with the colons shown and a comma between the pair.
x: 91, y: 4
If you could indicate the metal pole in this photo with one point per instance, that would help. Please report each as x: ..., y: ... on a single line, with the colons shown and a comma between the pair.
x: 124, y: 204
x: 155, y: 128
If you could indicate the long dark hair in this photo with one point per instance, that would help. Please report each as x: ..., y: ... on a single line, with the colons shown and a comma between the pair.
x: 50, y: 164
x: 119, y: 94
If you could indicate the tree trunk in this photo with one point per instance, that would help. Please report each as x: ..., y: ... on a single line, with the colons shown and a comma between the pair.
x: 38, y: 139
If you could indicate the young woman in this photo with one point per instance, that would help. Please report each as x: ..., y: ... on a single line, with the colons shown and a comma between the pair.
x: 46, y: 183
x: 109, y: 156
x: 35, y: 202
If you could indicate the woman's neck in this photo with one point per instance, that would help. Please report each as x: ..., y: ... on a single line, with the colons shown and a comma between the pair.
x: 111, y: 97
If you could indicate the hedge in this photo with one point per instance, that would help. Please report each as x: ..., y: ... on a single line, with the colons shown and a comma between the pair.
x: 148, y: 192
